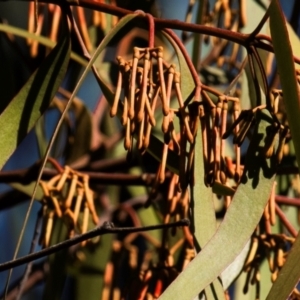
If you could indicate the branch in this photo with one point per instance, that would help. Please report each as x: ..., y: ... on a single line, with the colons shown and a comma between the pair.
x: 236, y: 37
x: 106, y: 228
x: 30, y: 174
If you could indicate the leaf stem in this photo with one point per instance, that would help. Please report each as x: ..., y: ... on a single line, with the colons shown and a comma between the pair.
x: 285, y: 221
x: 188, y: 61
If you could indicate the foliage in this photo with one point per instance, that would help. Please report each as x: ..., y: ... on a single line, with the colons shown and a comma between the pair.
x: 181, y: 182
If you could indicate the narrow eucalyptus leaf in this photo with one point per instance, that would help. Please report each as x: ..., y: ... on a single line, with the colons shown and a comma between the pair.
x: 290, y: 273
x: 205, y: 223
x: 204, y: 216
x: 33, y: 99
x: 239, y: 222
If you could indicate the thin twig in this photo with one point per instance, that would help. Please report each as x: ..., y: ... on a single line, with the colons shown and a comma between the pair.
x: 106, y: 228
x: 188, y: 61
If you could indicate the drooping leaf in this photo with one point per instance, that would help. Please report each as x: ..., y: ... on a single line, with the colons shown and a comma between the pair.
x: 204, y: 216
x: 205, y: 223
x: 290, y: 273
x: 294, y: 41
x: 33, y: 99
x: 239, y: 222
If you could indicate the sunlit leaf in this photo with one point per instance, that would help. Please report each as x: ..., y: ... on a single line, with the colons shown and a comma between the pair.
x: 33, y: 99
x: 239, y: 222
x: 294, y: 41
x: 205, y: 223
x: 290, y: 273
x: 204, y: 216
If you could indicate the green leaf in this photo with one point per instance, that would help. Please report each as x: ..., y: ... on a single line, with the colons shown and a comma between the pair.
x: 205, y: 223
x: 89, y: 280
x: 203, y: 210
x: 294, y: 41
x: 290, y: 273
x: 34, y: 98
x: 239, y: 222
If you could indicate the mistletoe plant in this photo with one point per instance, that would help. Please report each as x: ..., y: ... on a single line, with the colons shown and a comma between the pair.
x: 183, y: 192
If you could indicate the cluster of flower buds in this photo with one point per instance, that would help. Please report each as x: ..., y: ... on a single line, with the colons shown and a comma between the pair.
x: 214, y: 132
x: 142, y: 87
x: 272, y: 246
x: 242, y: 122
x: 152, y: 282
x: 37, y: 15
x: 36, y: 19
x: 59, y: 203
x: 144, y: 83
x: 178, y: 207
x: 156, y: 279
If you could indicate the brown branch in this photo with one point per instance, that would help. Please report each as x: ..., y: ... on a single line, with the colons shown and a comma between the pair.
x: 287, y: 200
x: 28, y: 175
x: 108, y: 164
x: 285, y: 221
x: 235, y: 37
x: 106, y: 228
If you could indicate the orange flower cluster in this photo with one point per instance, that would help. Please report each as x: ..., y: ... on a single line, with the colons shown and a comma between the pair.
x: 59, y: 203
